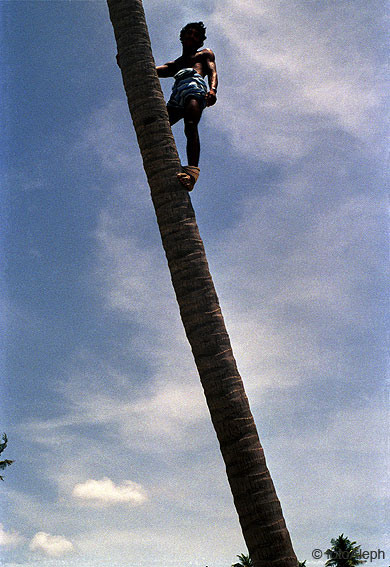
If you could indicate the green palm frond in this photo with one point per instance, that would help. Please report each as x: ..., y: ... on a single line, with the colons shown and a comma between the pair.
x: 4, y: 444
x: 6, y: 462
x: 245, y: 561
x: 343, y: 553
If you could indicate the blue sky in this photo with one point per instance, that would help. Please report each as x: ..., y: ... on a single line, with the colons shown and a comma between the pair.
x: 116, y: 461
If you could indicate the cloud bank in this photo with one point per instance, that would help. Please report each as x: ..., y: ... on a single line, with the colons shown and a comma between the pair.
x: 295, y: 81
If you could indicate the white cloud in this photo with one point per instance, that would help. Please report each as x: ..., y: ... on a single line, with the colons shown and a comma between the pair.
x: 108, y: 133
x: 303, y: 277
x: 105, y: 492
x: 164, y: 417
x: 9, y: 539
x: 135, y: 280
x: 288, y: 74
x: 52, y: 545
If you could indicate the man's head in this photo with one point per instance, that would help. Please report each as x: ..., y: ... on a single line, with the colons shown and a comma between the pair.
x: 194, y: 31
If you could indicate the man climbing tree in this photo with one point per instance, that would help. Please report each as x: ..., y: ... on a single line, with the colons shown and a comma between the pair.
x: 189, y: 94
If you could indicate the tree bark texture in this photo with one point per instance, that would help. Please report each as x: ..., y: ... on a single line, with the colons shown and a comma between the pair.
x: 254, y: 495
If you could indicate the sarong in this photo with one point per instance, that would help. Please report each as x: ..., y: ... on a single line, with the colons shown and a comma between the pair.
x: 188, y: 83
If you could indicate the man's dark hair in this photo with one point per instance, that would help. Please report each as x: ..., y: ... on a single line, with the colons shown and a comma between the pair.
x: 199, y: 26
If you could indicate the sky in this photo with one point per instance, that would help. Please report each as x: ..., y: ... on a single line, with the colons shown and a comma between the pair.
x: 115, y: 459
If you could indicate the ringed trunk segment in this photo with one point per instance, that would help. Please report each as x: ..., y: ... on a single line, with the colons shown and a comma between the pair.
x: 255, y: 498
x: 144, y: 95
x: 257, y: 505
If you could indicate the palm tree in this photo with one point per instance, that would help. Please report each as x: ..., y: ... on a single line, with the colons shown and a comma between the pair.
x: 244, y: 561
x: 258, y: 507
x: 6, y: 463
x: 343, y: 553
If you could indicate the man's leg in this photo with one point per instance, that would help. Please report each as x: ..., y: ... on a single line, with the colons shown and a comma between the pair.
x: 175, y: 114
x: 192, y: 114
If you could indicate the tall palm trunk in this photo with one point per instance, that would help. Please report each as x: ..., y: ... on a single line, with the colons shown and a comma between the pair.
x: 258, y: 507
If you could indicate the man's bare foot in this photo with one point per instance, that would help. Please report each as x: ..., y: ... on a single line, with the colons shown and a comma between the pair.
x: 189, y: 176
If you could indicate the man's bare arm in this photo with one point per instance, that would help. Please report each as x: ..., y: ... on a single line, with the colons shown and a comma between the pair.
x: 211, y: 97
x: 166, y: 70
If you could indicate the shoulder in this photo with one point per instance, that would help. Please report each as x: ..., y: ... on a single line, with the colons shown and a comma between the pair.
x: 179, y: 63
x: 208, y: 54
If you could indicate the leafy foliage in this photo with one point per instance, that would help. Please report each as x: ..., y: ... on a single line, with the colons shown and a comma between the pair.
x: 6, y: 462
x: 343, y: 553
x: 245, y: 561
